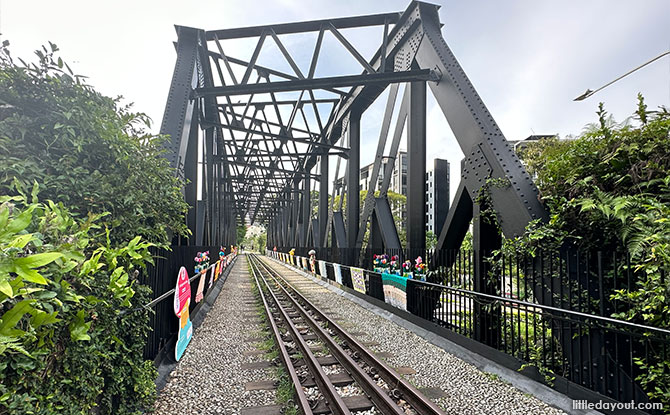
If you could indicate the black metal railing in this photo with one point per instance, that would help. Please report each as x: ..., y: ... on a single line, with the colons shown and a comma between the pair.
x: 162, y: 277
x: 551, y: 311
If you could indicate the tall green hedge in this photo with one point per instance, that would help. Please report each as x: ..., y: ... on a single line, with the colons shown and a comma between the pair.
x: 84, y: 193
x: 84, y: 150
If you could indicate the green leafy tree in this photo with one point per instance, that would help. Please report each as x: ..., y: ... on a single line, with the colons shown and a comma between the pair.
x: 241, y: 233
x: 431, y: 240
x: 261, y: 242
x: 398, y: 204
x: 85, y: 150
x: 72, y: 325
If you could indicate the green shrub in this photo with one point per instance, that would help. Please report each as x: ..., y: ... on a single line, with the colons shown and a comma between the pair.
x: 609, y: 190
x: 67, y: 342
x: 72, y: 326
x: 85, y: 150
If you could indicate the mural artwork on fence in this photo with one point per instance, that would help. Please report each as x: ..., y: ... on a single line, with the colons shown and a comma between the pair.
x: 358, y: 279
x: 202, y: 266
x: 199, y: 294
x: 322, y: 269
x: 338, y: 273
x: 182, y: 300
x: 214, y: 275
x: 395, y: 290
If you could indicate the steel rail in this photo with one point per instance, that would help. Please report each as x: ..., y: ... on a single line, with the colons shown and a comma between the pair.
x: 326, y: 387
x: 407, y: 391
x: 283, y: 353
x: 378, y: 395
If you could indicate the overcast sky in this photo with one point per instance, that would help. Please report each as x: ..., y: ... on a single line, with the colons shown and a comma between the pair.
x: 527, y: 59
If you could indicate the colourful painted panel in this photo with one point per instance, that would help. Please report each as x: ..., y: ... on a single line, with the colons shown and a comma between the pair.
x: 182, y: 300
x: 395, y: 290
x: 358, y: 280
x: 338, y: 273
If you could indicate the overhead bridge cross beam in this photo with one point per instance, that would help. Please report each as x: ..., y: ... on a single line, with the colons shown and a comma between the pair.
x: 383, y: 78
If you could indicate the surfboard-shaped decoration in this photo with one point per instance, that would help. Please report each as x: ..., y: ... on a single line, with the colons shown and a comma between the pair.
x: 182, y: 300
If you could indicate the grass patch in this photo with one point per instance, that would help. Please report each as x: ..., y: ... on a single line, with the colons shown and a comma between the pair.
x: 492, y: 376
x: 286, y: 392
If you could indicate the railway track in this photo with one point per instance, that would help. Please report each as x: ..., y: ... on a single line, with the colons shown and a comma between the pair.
x: 333, y: 373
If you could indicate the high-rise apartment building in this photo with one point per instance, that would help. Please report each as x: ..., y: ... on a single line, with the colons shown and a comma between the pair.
x: 437, y: 187
x: 437, y: 195
x: 399, y: 176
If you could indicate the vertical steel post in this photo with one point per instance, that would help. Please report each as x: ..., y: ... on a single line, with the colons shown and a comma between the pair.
x: 285, y: 218
x: 290, y: 214
x: 323, y: 201
x: 306, y: 210
x: 485, y: 239
x: 353, y: 180
x: 191, y: 175
x: 295, y: 197
x: 416, y: 169
x: 440, y: 194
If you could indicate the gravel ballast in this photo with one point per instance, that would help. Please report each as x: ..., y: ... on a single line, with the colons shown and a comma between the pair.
x: 209, y: 378
x: 468, y: 390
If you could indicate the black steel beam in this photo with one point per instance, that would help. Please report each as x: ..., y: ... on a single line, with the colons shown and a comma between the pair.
x: 275, y: 156
x: 285, y: 102
x: 295, y: 195
x: 416, y: 167
x: 320, y: 83
x: 457, y: 223
x: 387, y: 228
x: 272, y: 169
x: 302, y: 27
x: 306, y: 214
x: 256, y: 121
x: 179, y: 107
x: 369, y: 202
x: 405, y: 34
x: 304, y: 140
x: 353, y: 180
x: 268, y: 71
x: 191, y: 175
x: 339, y: 230
x: 323, y: 202
x: 486, y: 150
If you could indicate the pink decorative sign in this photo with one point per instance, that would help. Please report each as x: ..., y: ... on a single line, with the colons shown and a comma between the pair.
x: 182, y: 293
x: 182, y: 299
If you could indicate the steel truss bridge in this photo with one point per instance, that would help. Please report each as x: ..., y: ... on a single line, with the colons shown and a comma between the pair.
x: 253, y: 141
x: 264, y: 136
